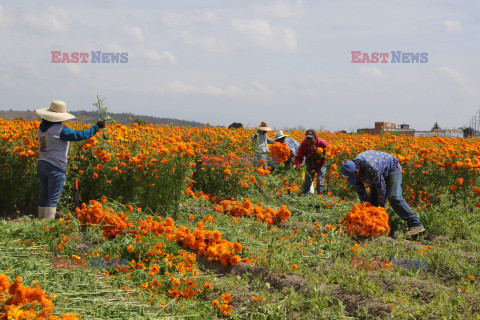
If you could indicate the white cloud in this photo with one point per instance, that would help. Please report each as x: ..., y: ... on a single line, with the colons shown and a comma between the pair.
x: 180, y: 87
x: 455, y: 75
x: 175, y: 19
x: 463, y: 81
x: 247, y: 91
x: 370, y: 72
x: 452, y: 25
x: 281, y: 9
x: 233, y: 91
x: 260, y: 33
x: 76, y: 69
x: 327, y: 87
x: 261, y: 88
x: 163, y: 58
x: 207, y: 43
x: 115, y: 47
x: 6, y: 19
x: 132, y: 33
x: 54, y: 20
x: 9, y: 81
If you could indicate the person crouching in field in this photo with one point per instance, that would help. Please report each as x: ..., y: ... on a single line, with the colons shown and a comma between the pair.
x: 314, y: 162
x: 53, y: 138
x: 261, y: 140
x: 383, y: 173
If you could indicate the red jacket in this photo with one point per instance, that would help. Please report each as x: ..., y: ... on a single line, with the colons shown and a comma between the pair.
x: 305, y: 151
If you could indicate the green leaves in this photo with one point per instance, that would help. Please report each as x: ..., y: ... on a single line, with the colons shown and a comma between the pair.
x: 102, y: 109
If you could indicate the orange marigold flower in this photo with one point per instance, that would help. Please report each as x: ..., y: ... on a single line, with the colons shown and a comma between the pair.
x: 207, y: 285
x: 226, y: 297
x: 476, y: 190
x: 280, y: 152
x: 367, y: 220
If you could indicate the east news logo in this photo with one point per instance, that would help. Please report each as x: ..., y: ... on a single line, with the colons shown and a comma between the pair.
x: 395, y: 57
x: 96, y: 57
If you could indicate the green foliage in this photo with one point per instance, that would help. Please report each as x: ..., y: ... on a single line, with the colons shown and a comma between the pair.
x: 211, y: 178
x: 140, y: 121
x: 101, y: 109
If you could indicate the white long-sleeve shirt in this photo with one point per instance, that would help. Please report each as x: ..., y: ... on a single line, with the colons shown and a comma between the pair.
x: 261, y: 141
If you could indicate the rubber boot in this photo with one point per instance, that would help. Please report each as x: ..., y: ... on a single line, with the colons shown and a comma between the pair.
x: 50, y: 213
x: 41, y: 213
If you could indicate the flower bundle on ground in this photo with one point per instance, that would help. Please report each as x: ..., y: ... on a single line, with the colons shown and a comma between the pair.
x: 246, y: 209
x: 205, y: 242
x: 113, y: 223
x: 366, y: 220
x: 20, y: 302
x: 210, y: 244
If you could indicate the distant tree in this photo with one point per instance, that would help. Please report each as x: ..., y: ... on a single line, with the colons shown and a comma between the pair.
x: 235, y: 125
x: 435, y: 127
x: 140, y: 121
x: 468, y: 132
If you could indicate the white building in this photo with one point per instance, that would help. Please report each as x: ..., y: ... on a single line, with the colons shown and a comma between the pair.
x: 444, y: 133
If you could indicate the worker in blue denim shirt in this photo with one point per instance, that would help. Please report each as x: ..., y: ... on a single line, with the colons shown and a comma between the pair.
x: 383, y: 173
x: 53, y: 138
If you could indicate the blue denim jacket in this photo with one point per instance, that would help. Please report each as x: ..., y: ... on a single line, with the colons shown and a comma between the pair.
x: 375, y: 166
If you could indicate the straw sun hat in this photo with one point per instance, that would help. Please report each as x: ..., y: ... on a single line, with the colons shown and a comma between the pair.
x: 279, y: 134
x: 56, y: 113
x: 264, y: 126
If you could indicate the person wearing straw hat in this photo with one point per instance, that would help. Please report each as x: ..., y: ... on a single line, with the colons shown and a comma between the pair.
x: 314, y: 161
x: 53, y: 138
x: 293, y: 145
x: 383, y: 173
x: 261, y: 140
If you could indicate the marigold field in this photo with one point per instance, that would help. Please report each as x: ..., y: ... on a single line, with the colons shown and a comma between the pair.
x: 176, y: 223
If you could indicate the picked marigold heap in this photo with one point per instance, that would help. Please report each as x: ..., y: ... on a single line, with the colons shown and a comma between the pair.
x: 20, y: 302
x: 246, y: 209
x: 113, y: 223
x: 205, y: 242
x: 280, y: 152
x: 366, y: 220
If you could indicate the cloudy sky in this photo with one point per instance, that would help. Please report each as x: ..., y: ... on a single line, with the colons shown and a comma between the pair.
x: 220, y: 61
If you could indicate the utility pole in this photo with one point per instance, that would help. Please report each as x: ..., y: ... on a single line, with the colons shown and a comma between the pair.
x: 477, y: 121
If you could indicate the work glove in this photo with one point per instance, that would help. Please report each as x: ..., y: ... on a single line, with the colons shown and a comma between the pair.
x: 101, y: 124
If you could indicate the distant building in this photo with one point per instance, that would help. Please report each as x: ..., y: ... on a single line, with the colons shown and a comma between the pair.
x: 444, y: 133
x: 390, y: 127
x: 404, y: 130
